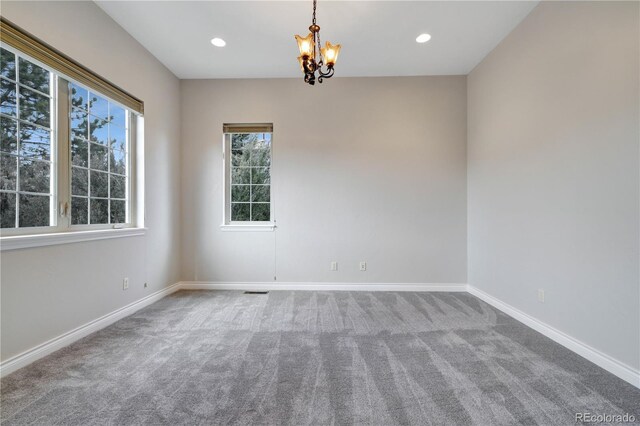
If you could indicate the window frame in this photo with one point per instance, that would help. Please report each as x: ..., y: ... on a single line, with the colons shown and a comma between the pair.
x: 227, y: 223
x: 54, y: 219
x: 61, y: 172
x: 130, y: 196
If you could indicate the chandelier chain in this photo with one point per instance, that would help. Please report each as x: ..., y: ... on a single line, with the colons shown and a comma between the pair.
x: 319, y: 46
x: 314, y: 12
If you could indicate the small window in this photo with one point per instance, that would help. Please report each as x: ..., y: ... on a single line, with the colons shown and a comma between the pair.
x: 248, y: 151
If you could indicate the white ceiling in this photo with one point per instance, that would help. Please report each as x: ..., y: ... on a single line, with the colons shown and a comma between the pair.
x: 377, y: 37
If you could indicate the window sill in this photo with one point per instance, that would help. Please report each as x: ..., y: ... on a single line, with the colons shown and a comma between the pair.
x: 27, y: 241
x: 269, y: 227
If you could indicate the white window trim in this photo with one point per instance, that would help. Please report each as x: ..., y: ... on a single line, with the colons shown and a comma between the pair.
x: 241, y: 227
x: 228, y: 225
x: 56, y: 238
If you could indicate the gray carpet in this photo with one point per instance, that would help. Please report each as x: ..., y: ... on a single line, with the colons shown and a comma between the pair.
x: 297, y: 358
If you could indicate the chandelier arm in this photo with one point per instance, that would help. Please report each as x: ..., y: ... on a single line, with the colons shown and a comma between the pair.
x: 322, y: 75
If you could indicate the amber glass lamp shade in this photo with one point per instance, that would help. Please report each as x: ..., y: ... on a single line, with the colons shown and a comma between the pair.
x: 330, y: 53
x: 305, y: 44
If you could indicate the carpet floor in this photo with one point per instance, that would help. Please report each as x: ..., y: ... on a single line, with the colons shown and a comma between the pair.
x: 298, y: 357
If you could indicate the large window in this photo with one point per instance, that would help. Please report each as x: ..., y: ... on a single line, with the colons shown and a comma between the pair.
x: 66, y: 152
x: 248, y: 174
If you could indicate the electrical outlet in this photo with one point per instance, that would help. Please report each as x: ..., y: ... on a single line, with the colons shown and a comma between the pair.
x: 125, y: 283
x: 363, y: 266
x: 541, y: 295
x: 334, y: 266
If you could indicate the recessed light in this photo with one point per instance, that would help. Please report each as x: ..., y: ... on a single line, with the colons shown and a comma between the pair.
x: 423, y: 38
x: 218, y: 42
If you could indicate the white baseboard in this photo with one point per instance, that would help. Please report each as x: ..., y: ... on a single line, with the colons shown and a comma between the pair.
x: 318, y: 286
x: 25, y: 358
x: 603, y: 360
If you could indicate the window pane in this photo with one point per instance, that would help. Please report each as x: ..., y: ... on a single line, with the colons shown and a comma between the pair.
x: 99, y: 157
x: 260, y: 157
x: 99, y: 211
x: 79, y: 212
x: 7, y: 97
x: 34, y: 210
x: 79, y: 181
x: 250, y: 177
x: 263, y: 141
x: 240, y: 212
x: 7, y: 64
x: 240, y: 193
x: 7, y: 210
x: 35, y: 142
x: 34, y: 107
x: 240, y: 158
x: 98, y: 107
x: 118, y: 137
x: 99, y: 185
x: 9, y: 128
x: 117, y: 115
x: 241, y: 176
x: 118, y: 211
x: 80, y: 153
x: 98, y: 130
x: 33, y: 76
x: 79, y: 96
x: 34, y: 176
x: 260, y: 193
x: 118, y: 186
x: 118, y: 162
x: 242, y: 140
x: 8, y: 172
x: 104, y: 125
x: 260, y: 212
x: 260, y: 176
x: 79, y: 124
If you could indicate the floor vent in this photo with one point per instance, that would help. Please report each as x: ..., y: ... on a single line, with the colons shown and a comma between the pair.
x: 256, y: 292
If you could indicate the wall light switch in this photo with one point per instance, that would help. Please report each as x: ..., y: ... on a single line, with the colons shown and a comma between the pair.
x: 363, y: 266
x: 125, y: 283
x: 334, y: 266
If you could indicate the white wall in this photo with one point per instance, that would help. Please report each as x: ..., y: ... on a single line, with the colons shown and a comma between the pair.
x: 383, y: 179
x: 553, y: 135
x: 51, y: 290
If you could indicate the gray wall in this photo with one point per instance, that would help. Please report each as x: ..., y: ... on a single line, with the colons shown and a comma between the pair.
x: 553, y: 133
x: 367, y: 169
x: 52, y: 290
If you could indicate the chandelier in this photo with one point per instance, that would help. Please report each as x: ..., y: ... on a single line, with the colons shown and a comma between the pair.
x: 310, y: 61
